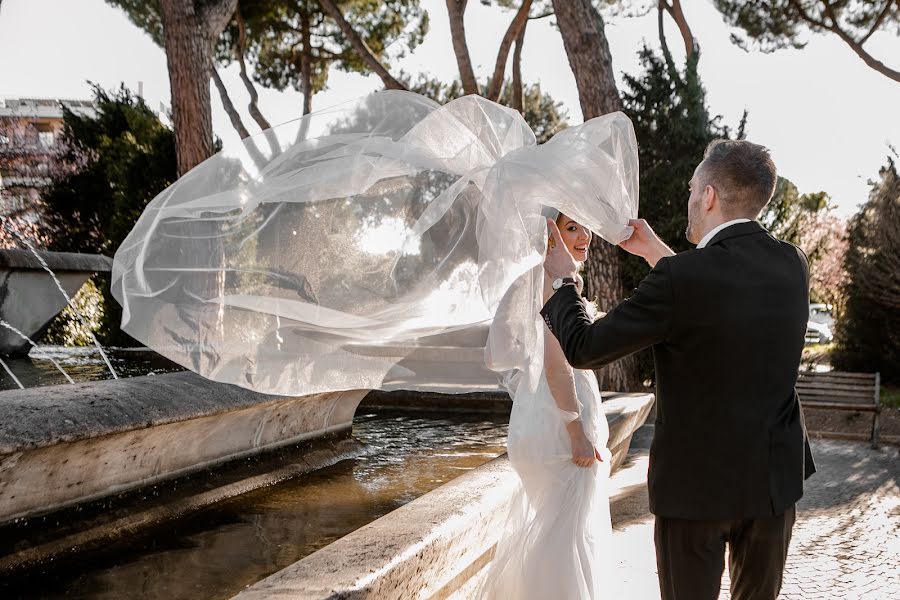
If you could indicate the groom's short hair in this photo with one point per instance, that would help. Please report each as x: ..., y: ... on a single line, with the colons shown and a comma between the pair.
x: 742, y: 173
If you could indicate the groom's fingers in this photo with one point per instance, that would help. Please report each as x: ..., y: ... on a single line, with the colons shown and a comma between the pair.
x: 640, y: 225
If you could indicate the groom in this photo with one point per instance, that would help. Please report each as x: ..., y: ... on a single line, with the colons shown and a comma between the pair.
x: 726, y: 323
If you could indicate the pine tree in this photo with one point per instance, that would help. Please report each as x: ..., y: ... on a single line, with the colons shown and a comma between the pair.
x: 867, y: 336
x: 673, y: 128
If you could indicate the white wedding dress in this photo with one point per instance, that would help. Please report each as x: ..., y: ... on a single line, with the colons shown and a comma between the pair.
x: 556, y: 541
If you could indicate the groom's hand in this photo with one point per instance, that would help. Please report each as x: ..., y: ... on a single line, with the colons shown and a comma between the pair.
x: 645, y: 243
x: 558, y: 262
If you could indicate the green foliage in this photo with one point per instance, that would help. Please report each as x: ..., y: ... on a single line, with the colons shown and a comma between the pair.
x: 890, y: 396
x: 867, y: 336
x: 120, y: 160
x: 67, y: 329
x: 673, y: 128
x: 545, y: 115
x: 793, y: 217
x: 144, y: 14
x: 275, y: 37
x: 768, y: 25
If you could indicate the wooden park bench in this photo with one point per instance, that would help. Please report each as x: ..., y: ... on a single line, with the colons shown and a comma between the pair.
x: 842, y: 391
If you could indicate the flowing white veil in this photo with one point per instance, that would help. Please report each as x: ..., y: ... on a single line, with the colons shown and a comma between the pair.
x: 368, y: 246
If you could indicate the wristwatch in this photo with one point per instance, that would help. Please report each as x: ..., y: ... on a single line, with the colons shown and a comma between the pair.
x: 561, y: 281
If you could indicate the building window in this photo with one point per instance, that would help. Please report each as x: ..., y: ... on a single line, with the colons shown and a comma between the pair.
x: 46, y: 138
x: 3, y: 139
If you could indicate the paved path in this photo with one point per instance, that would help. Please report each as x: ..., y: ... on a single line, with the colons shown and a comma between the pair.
x: 845, y: 546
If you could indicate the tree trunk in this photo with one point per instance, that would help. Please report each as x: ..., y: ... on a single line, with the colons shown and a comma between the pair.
x: 587, y: 48
x: 190, y: 31
x: 517, y: 101
x: 512, y: 33
x: 456, y: 10
x: 305, y: 70
x: 188, y: 55
x: 584, y: 38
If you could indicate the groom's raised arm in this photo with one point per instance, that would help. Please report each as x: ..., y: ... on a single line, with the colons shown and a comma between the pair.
x: 640, y: 321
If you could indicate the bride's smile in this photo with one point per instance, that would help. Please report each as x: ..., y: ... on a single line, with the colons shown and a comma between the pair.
x: 576, y: 237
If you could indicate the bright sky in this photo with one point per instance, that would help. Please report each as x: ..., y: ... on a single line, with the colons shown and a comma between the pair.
x: 827, y: 117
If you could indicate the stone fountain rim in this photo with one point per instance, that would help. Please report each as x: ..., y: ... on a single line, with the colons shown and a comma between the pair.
x: 16, y: 258
x: 43, y: 416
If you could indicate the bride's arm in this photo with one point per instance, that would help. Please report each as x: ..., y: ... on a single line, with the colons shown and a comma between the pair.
x: 561, y: 381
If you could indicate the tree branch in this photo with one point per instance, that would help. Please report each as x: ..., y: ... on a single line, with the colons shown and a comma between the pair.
x: 867, y: 58
x: 456, y: 10
x: 677, y: 14
x: 233, y: 114
x: 667, y: 55
x: 544, y: 15
x: 253, y: 107
x: 238, y: 123
x: 517, y: 100
x: 360, y: 46
x: 878, y: 21
x: 305, y: 67
x: 512, y: 32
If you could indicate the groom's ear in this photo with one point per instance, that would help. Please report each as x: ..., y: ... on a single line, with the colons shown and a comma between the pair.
x: 710, y: 198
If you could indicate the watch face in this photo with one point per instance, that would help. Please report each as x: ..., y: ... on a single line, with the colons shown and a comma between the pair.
x: 557, y: 283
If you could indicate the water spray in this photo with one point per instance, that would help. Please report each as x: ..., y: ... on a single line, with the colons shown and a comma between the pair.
x: 36, y: 347
x: 11, y: 374
x: 71, y: 304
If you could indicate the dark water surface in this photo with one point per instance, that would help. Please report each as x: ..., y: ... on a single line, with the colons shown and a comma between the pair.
x: 221, y: 550
x: 82, y: 364
x: 218, y: 551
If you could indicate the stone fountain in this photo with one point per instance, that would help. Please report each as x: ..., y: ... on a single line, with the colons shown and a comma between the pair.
x: 29, y: 298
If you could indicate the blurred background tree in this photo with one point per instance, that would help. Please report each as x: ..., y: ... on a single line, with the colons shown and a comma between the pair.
x: 673, y: 127
x: 868, y: 329
x: 295, y: 43
x: 117, y: 162
x: 769, y: 25
x: 545, y: 115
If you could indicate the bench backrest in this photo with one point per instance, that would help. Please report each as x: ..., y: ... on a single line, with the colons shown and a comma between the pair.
x: 835, y: 386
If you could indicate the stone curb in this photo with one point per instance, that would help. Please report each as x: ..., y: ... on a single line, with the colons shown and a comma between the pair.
x: 433, y: 546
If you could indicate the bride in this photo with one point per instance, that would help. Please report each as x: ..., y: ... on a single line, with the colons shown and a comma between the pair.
x: 394, y: 243
x: 558, y: 531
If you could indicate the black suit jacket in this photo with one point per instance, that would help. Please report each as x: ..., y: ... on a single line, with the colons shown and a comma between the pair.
x: 727, y: 325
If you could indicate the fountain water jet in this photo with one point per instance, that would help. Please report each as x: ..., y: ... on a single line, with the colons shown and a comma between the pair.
x: 59, y: 286
x: 37, y: 347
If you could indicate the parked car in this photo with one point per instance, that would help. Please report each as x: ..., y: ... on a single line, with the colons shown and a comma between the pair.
x: 818, y: 333
x: 821, y: 313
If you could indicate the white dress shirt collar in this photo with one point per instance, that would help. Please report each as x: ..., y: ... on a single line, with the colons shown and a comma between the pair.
x: 709, y: 236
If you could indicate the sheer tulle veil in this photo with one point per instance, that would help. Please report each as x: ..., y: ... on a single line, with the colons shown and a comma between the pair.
x: 386, y: 243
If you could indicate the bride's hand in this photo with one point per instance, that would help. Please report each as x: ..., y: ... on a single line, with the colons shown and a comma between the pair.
x: 583, y: 452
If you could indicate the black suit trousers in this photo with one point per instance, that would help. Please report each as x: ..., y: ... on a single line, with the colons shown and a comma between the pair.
x: 690, y: 556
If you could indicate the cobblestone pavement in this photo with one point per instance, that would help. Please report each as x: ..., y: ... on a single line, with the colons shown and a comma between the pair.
x: 845, y: 545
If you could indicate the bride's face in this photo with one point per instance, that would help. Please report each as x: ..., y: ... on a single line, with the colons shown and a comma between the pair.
x: 575, y: 236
